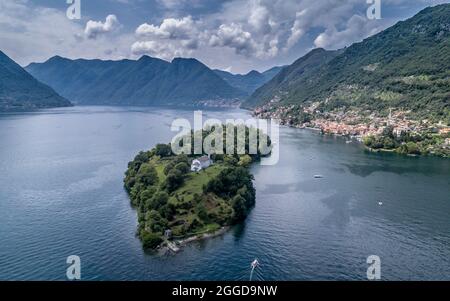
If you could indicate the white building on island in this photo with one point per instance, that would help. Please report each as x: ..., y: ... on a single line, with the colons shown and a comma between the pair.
x: 201, y: 163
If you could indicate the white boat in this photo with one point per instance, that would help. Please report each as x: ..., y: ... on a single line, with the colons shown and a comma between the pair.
x: 254, y: 264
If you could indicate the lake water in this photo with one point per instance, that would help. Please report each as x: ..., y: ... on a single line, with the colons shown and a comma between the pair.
x: 61, y: 194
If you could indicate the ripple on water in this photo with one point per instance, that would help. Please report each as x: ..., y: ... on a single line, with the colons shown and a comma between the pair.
x: 61, y: 194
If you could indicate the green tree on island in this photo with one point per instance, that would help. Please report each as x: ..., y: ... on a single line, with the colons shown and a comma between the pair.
x: 168, y: 196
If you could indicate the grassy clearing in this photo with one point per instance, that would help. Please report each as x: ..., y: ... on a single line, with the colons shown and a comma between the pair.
x: 195, y: 181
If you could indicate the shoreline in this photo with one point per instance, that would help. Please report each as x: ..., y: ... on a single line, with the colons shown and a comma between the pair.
x: 176, y: 245
x: 359, y: 139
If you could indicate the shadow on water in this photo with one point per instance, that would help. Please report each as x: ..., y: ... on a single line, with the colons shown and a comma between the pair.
x: 339, y: 204
x: 399, y: 165
x: 238, y: 231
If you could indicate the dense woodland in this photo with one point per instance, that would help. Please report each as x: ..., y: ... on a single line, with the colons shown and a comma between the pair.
x: 168, y: 196
x: 406, y: 67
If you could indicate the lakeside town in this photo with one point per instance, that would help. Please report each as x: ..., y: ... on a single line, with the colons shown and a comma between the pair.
x: 366, y: 126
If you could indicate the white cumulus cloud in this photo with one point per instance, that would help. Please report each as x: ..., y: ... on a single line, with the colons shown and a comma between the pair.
x: 164, y: 51
x: 172, y: 38
x: 170, y: 28
x: 33, y: 33
x: 95, y: 28
x: 356, y: 29
x: 234, y: 36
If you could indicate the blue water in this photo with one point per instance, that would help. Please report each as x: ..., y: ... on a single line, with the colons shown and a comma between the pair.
x: 61, y: 194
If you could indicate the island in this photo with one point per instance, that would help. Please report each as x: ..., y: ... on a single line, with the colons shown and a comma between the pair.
x: 186, y: 197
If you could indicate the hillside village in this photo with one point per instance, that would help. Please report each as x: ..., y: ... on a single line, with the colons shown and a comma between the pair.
x: 358, y: 125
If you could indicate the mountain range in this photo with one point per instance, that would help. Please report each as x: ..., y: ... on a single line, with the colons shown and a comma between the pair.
x: 290, y: 77
x: 19, y: 91
x: 248, y: 83
x: 147, y: 81
x: 406, y: 67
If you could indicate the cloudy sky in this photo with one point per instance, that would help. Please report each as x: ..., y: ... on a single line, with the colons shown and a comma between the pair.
x: 234, y: 35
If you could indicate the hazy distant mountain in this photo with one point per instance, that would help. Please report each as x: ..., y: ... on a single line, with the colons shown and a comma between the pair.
x: 249, y: 82
x: 19, y: 91
x: 147, y: 81
x: 405, y: 66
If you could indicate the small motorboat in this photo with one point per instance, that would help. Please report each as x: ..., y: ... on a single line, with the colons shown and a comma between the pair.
x: 254, y: 264
x: 318, y: 176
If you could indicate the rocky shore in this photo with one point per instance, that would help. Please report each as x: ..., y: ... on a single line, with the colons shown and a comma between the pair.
x: 176, y: 245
